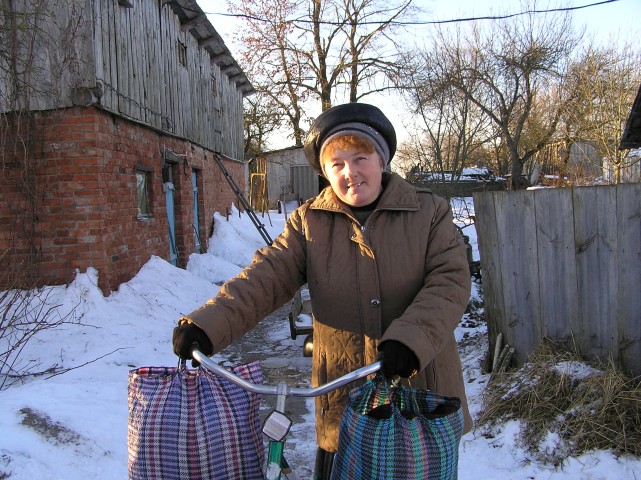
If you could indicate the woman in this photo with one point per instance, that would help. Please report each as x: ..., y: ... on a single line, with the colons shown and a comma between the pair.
x: 386, y: 269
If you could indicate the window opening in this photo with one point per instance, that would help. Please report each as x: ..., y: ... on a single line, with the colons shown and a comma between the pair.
x: 182, y: 53
x: 214, y: 88
x: 142, y: 193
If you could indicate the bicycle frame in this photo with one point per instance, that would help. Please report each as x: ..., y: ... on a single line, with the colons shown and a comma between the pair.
x: 282, y: 391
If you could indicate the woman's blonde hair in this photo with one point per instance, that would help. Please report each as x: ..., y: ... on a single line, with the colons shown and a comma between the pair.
x: 350, y: 141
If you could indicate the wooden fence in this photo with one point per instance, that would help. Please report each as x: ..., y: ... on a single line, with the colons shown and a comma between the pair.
x: 564, y: 264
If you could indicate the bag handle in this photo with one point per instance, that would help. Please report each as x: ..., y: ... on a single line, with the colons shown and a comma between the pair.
x: 389, y: 396
x: 380, y: 397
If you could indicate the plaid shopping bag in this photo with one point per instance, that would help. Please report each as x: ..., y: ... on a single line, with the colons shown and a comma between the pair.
x: 398, y: 433
x: 191, y: 424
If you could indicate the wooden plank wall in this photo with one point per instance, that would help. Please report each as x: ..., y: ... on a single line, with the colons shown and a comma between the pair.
x: 564, y: 264
x: 133, y: 54
x: 53, y: 53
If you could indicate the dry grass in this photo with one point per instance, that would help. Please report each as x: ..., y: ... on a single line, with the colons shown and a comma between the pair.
x: 566, y: 407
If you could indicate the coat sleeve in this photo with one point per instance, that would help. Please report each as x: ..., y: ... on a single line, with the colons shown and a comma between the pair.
x: 270, y: 281
x: 429, y: 321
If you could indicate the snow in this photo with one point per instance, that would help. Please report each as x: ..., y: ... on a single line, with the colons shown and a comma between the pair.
x: 86, y: 407
x: 577, y: 370
x: 472, y: 174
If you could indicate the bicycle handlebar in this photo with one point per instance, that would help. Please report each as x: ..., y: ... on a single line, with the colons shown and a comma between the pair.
x: 283, y: 389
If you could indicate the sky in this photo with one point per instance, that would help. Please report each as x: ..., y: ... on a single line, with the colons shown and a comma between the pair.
x: 131, y: 328
x: 605, y: 21
x: 606, y: 18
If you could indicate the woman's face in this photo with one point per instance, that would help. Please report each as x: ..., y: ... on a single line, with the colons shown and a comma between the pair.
x: 354, y: 174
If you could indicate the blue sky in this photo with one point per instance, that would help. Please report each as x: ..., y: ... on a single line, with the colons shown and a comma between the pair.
x: 604, y: 19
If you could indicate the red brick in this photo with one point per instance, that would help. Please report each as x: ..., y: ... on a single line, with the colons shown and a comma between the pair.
x: 87, y: 205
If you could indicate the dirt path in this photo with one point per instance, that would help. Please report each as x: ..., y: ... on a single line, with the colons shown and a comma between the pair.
x: 282, y: 360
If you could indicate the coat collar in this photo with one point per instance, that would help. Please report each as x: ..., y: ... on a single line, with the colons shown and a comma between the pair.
x: 397, y: 195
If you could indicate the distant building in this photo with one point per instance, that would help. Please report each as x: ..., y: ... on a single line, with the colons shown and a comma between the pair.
x: 455, y: 184
x: 557, y: 166
x: 289, y: 176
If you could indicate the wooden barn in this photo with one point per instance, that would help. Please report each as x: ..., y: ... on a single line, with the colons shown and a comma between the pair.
x: 282, y: 176
x: 631, y: 137
x: 114, y: 114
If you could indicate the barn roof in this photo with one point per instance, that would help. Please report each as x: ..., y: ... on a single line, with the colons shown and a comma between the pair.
x: 631, y: 137
x: 194, y: 20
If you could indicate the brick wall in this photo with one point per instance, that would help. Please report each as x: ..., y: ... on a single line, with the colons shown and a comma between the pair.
x: 84, y: 208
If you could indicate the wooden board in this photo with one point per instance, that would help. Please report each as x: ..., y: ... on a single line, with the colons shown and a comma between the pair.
x: 629, y: 273
x: 556, y: 263
x: 597, y: 268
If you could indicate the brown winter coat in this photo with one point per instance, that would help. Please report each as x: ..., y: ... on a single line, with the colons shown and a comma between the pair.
x: 402, y: 276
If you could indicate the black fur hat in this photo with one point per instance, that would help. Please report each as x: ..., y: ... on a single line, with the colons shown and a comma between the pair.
x: 360, y: 118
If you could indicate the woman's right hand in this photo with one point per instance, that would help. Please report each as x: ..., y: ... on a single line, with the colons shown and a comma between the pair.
x: 188, y: 335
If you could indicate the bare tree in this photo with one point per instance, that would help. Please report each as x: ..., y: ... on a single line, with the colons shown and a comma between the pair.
x: 27, y: 79
x: 367, y: 27
x: 504, y: 70
x: 451, y: 128
x: 25, y: 314
x: 605, y: 82
x: 262, y: 116
x: 302, y: 50
x: 271, y: 58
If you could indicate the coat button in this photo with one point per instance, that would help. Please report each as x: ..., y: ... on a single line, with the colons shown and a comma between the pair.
x: 375, y: 303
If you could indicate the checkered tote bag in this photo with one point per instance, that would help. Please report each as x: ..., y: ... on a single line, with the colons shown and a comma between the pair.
x: 398, y: 433
x: 191, y: 424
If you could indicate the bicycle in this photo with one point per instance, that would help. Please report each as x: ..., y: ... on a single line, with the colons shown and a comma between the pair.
x: 277, y: 425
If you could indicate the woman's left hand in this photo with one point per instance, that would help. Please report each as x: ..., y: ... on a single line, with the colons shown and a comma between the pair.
x: 397, y: 360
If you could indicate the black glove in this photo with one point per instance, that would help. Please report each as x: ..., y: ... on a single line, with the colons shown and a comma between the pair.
x: 397, y: 359
x: 188, y: 335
